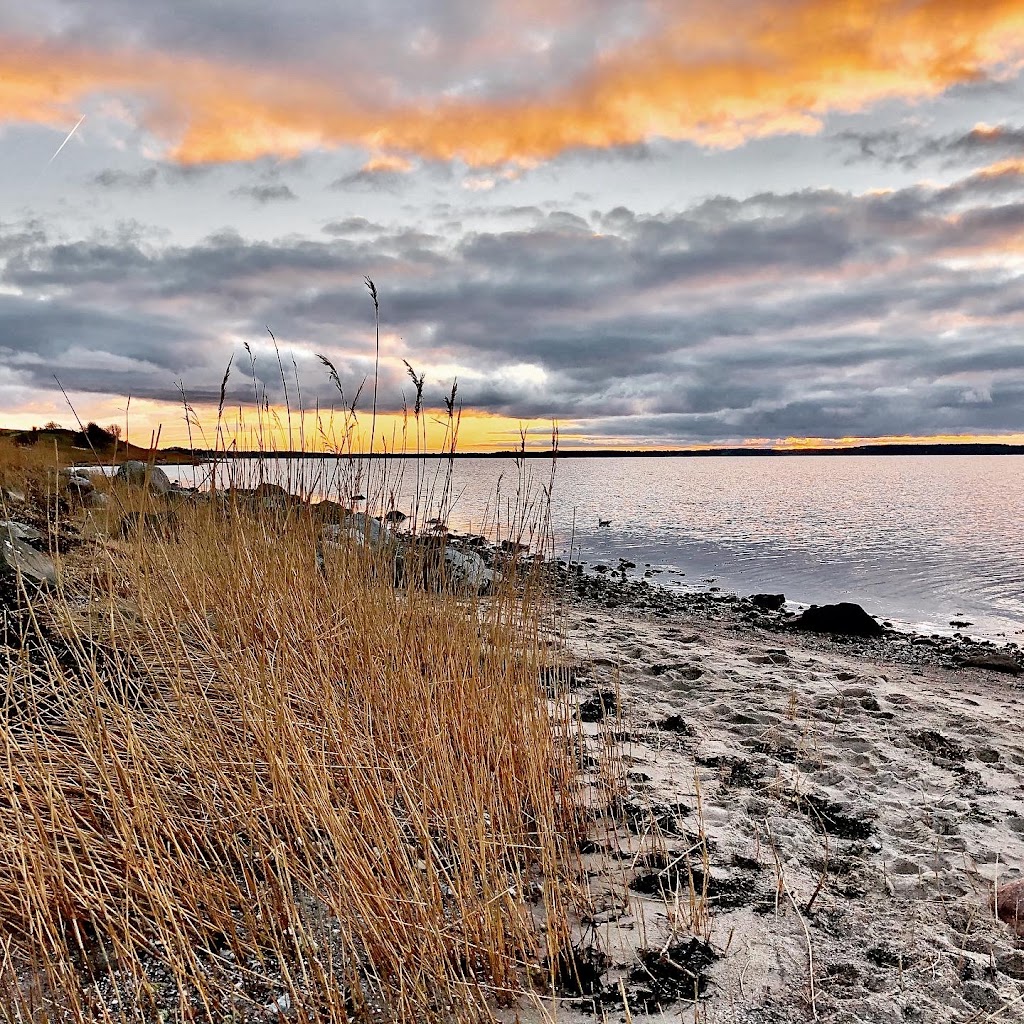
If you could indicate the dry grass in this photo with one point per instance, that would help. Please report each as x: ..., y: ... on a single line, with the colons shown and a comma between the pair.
x: 31, y: 470
x: 239, y: 784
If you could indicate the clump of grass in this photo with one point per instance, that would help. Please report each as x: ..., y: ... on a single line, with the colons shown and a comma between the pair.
x: 233, y: 777
x: 247, y: 777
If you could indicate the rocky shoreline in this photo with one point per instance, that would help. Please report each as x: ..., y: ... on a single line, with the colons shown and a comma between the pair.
x: 610, y: 590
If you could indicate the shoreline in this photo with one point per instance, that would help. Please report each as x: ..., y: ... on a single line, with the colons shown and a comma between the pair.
x: 613, y: 590
x: 843, y: 811
x: 686, y: 590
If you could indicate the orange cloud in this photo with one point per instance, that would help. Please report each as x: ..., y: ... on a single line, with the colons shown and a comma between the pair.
x: 718, y: 75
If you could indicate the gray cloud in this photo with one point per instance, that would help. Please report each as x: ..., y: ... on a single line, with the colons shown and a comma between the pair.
x: 267, y: 193
x: 114, y: 179
x: 370, y: 181
x: 909, y: 149
x: 815, y: 312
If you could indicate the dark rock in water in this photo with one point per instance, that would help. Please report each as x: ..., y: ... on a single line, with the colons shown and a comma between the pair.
x: 395, y: 517
x: 845, y: 619
x: 997, y: 661
x: 138, y: 474
x: 768, y: 602
x: 512, y: 547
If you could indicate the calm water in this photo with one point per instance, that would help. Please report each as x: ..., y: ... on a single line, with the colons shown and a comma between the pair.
x: 918, y: 539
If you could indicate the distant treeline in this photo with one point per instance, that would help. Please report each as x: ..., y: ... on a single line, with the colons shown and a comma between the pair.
x: 604, y: 453
x: 93, y: 436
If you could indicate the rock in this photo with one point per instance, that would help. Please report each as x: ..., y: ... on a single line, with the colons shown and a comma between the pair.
x: 138, y: 474
x: 395, y: 517
x: 512, y: 547
x: 273, y: 497
x: 19, y: 560
x: 467, y: 570
x: 357, y: 526
x: 268, y: 490
x: 1009, y: 905
x: 1011, y: 963
x: 984, y: 996
x: 79, y: 485
x: 19, y: 531
x: 282, y: 1004
x: 96, y: 499
x: 997, y: 661
x: 845, y: 618
x: 768, y: 602
x: 328, y: 511
x: 11, y: 496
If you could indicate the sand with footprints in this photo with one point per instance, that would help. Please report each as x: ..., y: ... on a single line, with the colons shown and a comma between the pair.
x: 808, y: 829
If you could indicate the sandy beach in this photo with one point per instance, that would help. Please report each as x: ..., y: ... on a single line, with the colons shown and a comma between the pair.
x: 831, y: 816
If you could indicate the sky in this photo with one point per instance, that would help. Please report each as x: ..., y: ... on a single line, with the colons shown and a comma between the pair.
x: 651, y: 223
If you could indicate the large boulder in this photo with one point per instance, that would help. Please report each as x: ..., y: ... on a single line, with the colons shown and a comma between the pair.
x: 328, y: 511
x: 138, y: 474
x: 269, y: 490
x: 845, y: 619
x: 273, y: 497
x: 768, y: 602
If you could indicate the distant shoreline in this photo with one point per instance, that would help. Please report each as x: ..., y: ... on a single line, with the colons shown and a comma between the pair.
x: 605, y: 453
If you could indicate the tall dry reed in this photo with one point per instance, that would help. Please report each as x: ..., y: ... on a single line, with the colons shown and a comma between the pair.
x: 246, y: 777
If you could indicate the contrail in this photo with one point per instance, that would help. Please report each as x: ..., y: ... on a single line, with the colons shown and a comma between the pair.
x: 66, y: 140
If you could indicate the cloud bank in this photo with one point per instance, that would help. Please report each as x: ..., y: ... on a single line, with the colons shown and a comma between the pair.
x: 813, y: 313
x: 489, y: 83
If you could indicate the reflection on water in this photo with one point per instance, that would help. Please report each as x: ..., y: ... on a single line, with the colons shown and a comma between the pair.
x: 923, y: 539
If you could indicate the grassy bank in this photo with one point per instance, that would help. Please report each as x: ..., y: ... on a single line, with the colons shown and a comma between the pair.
x: 245, y: 775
